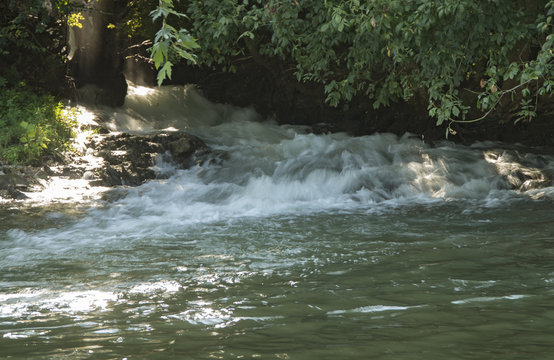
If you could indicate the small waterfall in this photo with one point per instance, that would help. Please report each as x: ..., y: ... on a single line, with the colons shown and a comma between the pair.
x: 267, y: 170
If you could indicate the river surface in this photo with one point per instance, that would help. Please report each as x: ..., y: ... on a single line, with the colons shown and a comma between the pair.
x: 292, y: 246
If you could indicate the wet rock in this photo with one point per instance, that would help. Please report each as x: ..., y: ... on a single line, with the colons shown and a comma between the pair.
x: 187, y: 150
x: 181, y: 147
x: 521, y: 171
x: 114, y: 159
x: 5, y: 181
x: 129, y: 158
x: 72, y: 172
x: 12, y: 185
x: 15, y: 194
x: 113, y: 177
x: 88, y: 175
x: 17, y: 178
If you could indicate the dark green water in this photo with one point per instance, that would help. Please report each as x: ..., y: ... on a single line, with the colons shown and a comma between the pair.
x: 297, y: 246
x: 428, y: 281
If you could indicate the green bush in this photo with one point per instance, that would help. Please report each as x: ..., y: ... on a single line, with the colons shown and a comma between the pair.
x: 32, y: 126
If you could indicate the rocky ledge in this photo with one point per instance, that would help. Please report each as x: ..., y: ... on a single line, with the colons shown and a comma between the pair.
x: 109, y: 160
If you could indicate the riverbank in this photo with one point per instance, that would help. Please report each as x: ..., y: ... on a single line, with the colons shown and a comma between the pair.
x: 103, y: 160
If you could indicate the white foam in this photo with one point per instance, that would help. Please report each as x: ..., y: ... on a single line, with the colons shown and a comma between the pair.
x: 373, y: 309
x: 488, y: 299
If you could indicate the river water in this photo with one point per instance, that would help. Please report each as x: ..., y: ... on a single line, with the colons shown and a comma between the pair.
x: 292, y: 246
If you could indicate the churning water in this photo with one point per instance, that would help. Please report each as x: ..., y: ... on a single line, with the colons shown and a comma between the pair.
x: 290, y: 246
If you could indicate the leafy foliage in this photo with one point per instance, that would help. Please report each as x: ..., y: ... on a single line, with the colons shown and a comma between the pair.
x: 32, y: 42
x: 32, y: 126
x: 464, y: 58
x: 169, y: 42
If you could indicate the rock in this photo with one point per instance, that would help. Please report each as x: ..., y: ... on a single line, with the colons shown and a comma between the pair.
x: 129, y: 158
x: 114, y: 194
x: 5, y: 181
x: 180, y: 147
x: 88, y: 175
x: 72, y: 172
x: 11, y: 192
x: 111, y: 176
x: 187, y: 150
x: 16, y: 194
x: 41, y: 174
x: 15, y: 181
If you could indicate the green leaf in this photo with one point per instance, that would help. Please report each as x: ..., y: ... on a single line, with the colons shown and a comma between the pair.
x: 187, y: 41
x: 159, y: 53
x: 166, y: 32
x: 185, y: 55
x: 455, y: 111
x: 155, y: 14
x: 164, y: 72
x: 512, y: 71
x: 248, y: 34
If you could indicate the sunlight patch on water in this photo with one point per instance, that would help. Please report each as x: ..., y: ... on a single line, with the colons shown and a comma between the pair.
x: 43, y: 303
x: 67, y: 191
x: 86, y: 122
x: 140, y: 91
x: 520, y: 176
x: 461, y: 284
x: 162, y: 287
x: 23, y: 334
x: 205, y: 315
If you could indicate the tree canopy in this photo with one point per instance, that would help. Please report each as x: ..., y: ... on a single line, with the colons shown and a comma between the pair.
x: 463, y: 58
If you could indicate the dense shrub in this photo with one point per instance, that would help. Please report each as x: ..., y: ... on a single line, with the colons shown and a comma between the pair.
x: 32, y: 126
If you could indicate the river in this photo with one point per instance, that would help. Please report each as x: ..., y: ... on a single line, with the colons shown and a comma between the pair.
x: 292, y: 246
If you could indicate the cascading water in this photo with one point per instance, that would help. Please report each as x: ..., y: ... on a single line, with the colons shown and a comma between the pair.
x: 290, y: 245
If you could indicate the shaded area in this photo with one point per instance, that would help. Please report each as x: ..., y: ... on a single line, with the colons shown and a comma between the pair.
x: 277, y: 94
